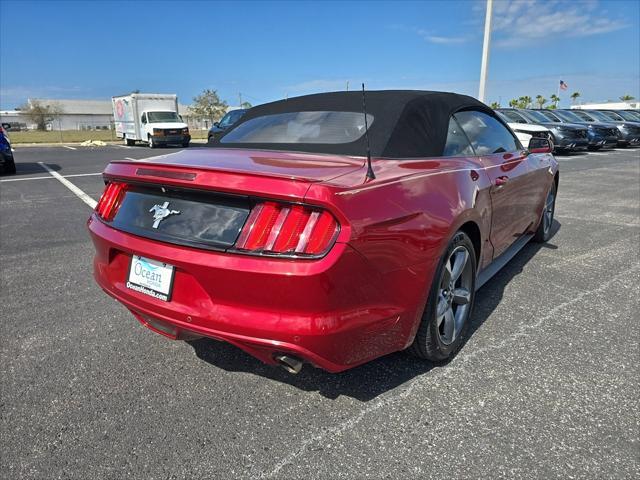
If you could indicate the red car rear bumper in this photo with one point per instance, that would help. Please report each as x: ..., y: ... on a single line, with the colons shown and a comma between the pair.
x: 336, y: 312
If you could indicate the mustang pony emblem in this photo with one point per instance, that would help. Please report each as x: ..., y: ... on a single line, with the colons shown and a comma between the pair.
x: 161, y: 212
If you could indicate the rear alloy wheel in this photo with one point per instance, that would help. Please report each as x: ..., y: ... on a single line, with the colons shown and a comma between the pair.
x: 445, y: 320
x: 543, y: 233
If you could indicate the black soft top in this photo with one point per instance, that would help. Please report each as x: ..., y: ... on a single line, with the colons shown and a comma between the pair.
x: 407, y: 123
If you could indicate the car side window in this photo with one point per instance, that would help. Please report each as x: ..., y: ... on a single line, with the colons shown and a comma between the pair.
x: 514, y: 117
x: 144, y: 118
x: 457, y: 144
x: 486, y: 134
x: 583, y: 116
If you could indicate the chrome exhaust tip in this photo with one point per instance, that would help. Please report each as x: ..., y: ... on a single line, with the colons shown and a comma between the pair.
x: 289, y: 363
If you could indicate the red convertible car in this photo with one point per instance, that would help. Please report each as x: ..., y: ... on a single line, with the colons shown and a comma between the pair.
x: 314, y: 232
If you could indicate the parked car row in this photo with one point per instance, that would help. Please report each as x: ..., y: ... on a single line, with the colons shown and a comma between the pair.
x: 572, y: 130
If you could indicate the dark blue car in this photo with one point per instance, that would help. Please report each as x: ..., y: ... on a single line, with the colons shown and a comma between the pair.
x: 600, y: 134
x: 229, y: 120
x: 7, y: 163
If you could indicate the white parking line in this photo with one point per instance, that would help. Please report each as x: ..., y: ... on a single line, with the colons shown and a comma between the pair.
x: 79, y: 193
x: 123, y: 146
x: 70, y: 148
x: 129, y: 158
x: 49, y: 177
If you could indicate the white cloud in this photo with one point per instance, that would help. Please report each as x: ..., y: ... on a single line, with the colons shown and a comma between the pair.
x: 440, y: 39
x: 431, y: 36
x: 518, y: 23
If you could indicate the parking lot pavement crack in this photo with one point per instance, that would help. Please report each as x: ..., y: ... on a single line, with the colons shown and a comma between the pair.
x: 459, y: 365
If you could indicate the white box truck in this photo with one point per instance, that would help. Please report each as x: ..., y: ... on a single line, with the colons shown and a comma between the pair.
x: 149, y: 117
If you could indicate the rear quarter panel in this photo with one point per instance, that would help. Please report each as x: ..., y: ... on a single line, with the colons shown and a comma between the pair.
x: 402, y: 221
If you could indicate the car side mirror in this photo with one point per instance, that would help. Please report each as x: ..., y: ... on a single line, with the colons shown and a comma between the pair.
x: 6, y: 126
x: 216, y: 124
x: 540, y: 145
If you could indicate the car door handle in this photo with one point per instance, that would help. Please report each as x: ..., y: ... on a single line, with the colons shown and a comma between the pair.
x: 500, y: 181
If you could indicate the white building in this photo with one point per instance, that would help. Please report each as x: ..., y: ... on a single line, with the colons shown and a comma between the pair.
x: 82, y: 115
x: 631, y: 105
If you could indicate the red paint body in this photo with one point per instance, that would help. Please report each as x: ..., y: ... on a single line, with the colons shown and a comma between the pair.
x: 365, y: 297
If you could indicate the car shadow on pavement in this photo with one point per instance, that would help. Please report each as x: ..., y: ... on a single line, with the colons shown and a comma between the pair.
x: 29, y: 168
x: 366, y: 382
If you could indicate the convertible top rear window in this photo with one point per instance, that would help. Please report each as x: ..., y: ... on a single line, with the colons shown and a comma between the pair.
x: 301, y: 127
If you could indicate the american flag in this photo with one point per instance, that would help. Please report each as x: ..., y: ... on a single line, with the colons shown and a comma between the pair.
x: 563, y: 86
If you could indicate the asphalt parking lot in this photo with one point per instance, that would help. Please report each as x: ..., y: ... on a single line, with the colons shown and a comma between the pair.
x: 546, y: 386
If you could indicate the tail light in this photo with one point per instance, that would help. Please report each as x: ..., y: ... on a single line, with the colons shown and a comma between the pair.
x: 110, y: 200
x: 291, y: 230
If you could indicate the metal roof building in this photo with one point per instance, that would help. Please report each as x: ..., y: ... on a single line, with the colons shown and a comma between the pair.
x: 81, y: 115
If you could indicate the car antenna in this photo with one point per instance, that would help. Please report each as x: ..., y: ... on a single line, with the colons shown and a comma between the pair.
x: 370, y: 173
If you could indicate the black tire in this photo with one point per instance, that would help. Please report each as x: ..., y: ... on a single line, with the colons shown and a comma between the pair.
x: 543, y: 232
x: 428, y: 342
x: 185, y: 145
x: 152, y: 144
x: 9, y: 167
x: 593, y: 148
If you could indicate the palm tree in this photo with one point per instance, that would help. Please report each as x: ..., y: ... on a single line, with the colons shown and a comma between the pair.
x: 555, y: 99
x: 627, y: 98
x: 540, y: 100
x: 574, y: 96
x: 495, y: 105
x: 513, y: 103
x: 523, y: 102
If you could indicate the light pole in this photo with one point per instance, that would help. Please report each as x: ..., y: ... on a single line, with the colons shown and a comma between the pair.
x: 485, y: 51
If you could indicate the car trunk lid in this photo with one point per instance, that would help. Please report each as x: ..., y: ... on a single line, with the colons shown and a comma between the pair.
x: 202, y: 198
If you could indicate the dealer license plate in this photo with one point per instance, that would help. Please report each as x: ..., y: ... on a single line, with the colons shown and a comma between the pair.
x: 150, y: 277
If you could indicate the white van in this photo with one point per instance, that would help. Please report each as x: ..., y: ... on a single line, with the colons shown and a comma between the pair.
x: 151, y: 118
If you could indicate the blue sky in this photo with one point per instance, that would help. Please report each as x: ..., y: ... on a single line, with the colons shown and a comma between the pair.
x: 266, y: 50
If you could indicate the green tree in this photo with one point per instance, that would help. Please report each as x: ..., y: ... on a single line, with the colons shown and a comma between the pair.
x: 495, y: 105
x: 513, y: 103
x: 574, y: 96
x: 208, y: 105
x: 39, y: 113
x: 524, y: 102
x: 540, y: 100
x: 555, y: 99
x: 551, y: 107
x: 627, y: 98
